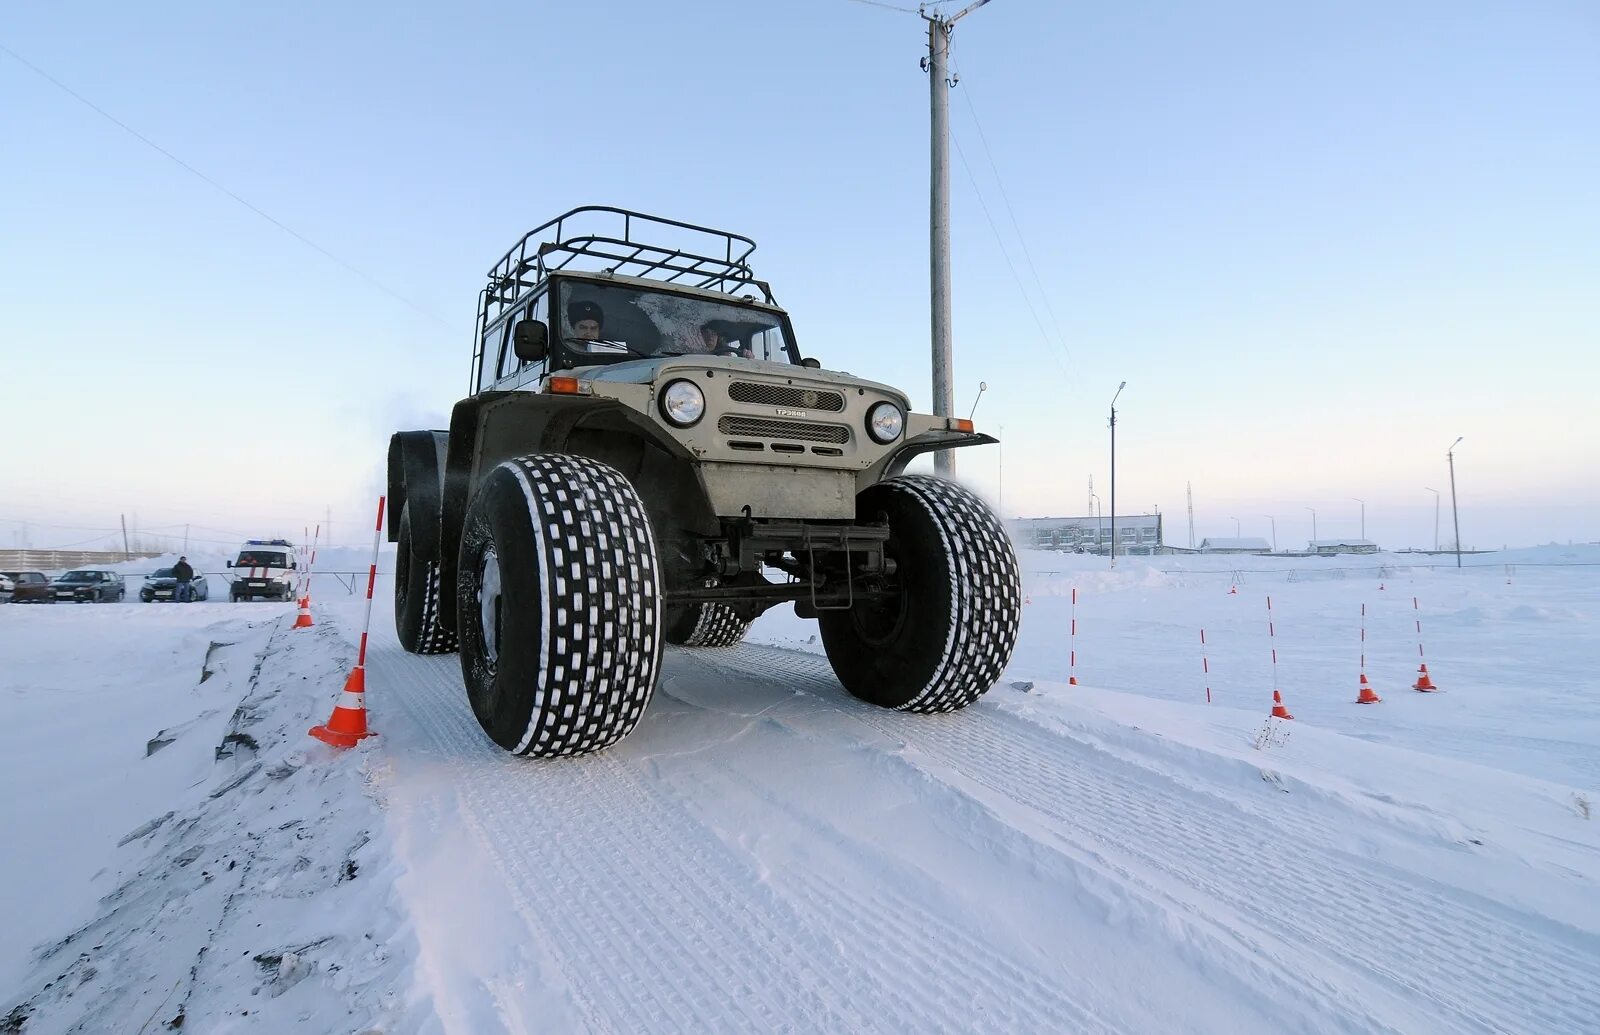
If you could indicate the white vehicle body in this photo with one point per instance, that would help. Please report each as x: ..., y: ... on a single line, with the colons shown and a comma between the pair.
x: 264, y: 569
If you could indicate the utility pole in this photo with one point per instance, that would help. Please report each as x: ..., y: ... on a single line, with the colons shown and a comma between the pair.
x: 1313, y: 525
x: 328, y: 524
x: 124, y: 518
x: 1092, y: 496
x: 1274, y: 521
x: 1114, y: 473
x: 1099, y: 528
x: 1435, y: 518
x: 1455, y: 515
x: 1363, y: 515
x: 186, y: 539
x: 940, y: 83
x: 1236, y: 533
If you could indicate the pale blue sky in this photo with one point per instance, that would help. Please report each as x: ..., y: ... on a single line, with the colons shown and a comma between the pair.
x: 1318, y: 243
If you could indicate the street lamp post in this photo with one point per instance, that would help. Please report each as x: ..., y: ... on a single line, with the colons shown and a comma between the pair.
x: 1274, y: 521
x: 1236, y: 532
x: 1363, y: 515
x: 1120, y: 387
x: 1313, y: 525
x: 1099, y: 529
x: 1455, y: 515
x: 1435, y: 518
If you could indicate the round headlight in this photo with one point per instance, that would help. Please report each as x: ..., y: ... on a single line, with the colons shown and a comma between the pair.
x: 885, y: 422
x: 683, y: 403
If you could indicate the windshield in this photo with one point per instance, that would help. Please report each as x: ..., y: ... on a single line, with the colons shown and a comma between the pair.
x: 604, y: 322
x: 261, y: 559
x: 161, y: 573
x: 80, y: 576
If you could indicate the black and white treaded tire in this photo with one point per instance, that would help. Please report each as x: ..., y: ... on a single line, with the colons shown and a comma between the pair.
x: 944, y: 639
x: 416, y: 597
x: 558, y: 603
x: 705, y: 625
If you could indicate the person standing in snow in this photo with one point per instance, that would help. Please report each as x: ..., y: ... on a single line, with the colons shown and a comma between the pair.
x: 184, y: 575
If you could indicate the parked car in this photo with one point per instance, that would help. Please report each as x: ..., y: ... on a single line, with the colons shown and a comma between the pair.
x: 93, y: 587
x: 30, y: 587
x: 7, y: 587
x: 160, y: 585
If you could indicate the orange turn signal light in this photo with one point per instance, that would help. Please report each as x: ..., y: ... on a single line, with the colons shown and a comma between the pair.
x: 961, y: 424
x: 563, y: 385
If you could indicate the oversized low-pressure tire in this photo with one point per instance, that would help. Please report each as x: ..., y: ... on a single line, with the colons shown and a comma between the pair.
x: 416, y: 597
x: 705, y: 625
x: 558, y: 603
x: 943, y: 639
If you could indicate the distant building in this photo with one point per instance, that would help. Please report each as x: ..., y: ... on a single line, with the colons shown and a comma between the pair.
x: 1136, y: 534
x: 1245, y: 545
x: 1331, y: 547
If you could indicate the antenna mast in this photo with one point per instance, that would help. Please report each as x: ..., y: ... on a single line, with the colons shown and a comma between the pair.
x: 1189, y: 486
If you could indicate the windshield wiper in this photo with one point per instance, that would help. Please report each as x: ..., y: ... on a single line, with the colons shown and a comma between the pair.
x: 611, y: 347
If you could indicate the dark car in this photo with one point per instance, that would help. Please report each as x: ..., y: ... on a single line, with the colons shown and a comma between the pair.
x: 31, y: 587
x: 85, y: 586
x: 160, y: 585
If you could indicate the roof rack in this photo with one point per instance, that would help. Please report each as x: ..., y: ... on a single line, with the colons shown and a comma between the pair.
x: 599, y: 238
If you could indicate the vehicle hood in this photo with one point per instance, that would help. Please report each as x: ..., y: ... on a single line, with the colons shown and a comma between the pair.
x: 646, y: 371
x: 75, y: 583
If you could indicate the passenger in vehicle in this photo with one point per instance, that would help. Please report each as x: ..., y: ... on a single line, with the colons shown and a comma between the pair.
x: 717, y: 343
x: 587, y: 320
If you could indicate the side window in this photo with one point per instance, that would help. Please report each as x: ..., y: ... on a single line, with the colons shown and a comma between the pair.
x: 510, y: 365
x: 493, y: 338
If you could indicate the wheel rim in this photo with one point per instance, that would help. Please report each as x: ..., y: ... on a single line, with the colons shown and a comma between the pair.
x: 489, y: 605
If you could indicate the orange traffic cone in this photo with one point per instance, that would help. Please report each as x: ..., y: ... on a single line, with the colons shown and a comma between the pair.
x: 1278, y: 710
x: 1233, y: 592
x: 303, y: 619
x: 1380, y: 586
x: 1423, y: 682
x: 1072, y: 680
x: 1367, y: 696
x: 348, y: 724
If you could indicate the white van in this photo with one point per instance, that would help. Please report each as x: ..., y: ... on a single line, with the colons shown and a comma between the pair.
x: 265, y: 569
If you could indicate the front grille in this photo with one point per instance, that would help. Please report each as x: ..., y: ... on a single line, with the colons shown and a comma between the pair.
x: 799, y: 431
x: 786, y: 395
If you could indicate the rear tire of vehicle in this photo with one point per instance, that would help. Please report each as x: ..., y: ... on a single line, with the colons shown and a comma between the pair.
x: 705, y: 625
x: 946, y: 637
x: 416, y: 597
x: 558, y: 602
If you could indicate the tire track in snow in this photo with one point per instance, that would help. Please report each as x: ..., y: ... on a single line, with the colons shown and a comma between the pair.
x: 659, y: 924
x: 1480, y: 964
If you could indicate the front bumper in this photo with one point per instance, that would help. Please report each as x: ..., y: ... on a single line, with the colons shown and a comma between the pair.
x: 74, y: 593
x: 263, y: 588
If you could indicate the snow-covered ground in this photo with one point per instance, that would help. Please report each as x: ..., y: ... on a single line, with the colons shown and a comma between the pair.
x: 766, y: 853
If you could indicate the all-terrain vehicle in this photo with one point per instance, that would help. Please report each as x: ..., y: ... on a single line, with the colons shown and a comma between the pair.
x: 646, y: 458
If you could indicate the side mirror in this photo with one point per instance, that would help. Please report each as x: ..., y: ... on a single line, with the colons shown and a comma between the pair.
x: 811, y: 364
x: 531, y: 339
x: 228, y: 563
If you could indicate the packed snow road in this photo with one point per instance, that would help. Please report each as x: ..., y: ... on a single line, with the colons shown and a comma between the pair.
x: 766, y: 853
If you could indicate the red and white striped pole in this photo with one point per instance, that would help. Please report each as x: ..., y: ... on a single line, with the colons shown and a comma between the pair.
x: 1278, y: 709
x: 1364, y: 694
x: 1205, y: 665
x: 348, y: 725
x: 1072, y: 641
x: 1423, y: 683
x: 366, y: 620
x: 305, y: 594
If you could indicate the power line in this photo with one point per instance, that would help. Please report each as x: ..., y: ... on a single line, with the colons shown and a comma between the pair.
x: 889, y: 7
x: 1022, y: 241
x: 984, y: 205
x: 297, y: 235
